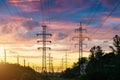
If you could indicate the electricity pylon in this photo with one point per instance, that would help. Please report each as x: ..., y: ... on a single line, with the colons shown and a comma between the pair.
x: 66, y: 60
x: 80, y: 31
x: 62, y: 64
x: 44, y: 35
x: 50, y: 64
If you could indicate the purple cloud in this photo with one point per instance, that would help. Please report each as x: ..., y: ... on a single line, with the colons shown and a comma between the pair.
x: 30, y: 25
x: 109, y: 3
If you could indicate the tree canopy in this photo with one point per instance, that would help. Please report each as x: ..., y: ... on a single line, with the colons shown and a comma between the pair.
x: 100, y: 65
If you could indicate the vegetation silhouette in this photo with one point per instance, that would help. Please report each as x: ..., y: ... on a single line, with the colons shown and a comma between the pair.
x: 99, y: 65
x: 17, y: 72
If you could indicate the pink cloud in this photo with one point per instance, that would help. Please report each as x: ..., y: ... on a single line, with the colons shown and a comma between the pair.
x: 26, y: 5
x: 13, y: 29
x: 69, y: 27
x: 117, y: 19
x: 109, y: 2
x: 105, y: 32
x: 56, y: 6
x: 64, y: 5
x: 19, y: 18
x: 62, y: 31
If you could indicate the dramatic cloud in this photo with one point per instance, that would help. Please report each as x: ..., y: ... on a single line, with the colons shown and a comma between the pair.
x: 50, y: 6
x: 26, y: 5
x: 21, y: 20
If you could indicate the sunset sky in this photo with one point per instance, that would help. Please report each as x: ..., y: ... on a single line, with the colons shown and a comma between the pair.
x: 21, y: 20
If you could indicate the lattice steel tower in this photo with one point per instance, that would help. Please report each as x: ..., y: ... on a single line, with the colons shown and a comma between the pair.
x: 80, y: 31
x: 51, y: 69
x: 44, y: 40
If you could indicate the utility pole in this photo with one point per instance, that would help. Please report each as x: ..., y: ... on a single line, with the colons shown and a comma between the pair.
x: 66, y: 60
x: 44, y: 35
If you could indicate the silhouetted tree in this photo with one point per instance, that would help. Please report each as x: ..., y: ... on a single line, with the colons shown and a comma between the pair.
x: 116, y: 43
x: 104, y: 66
x: 78, y: 67
x: 101, y: 65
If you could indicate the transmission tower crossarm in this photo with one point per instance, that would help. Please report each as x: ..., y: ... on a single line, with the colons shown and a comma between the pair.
x: 43, y: 34
x: 43, y: 41
x: 80, y: 29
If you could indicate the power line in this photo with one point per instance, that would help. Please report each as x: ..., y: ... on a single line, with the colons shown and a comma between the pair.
x: 109, y: 30
x: 115, y: 7
x: 98, y: 3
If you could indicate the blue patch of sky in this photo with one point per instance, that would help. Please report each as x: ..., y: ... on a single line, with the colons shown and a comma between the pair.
x: 31, y: 24
x: 4, y: 8
x: 49, y: 4
x: 113, y: 22
x: 62, y: 35
x: 58, y: 16
x: 76, y: 16
x: 116, y: 12
x: 30, y: 34
x: 7, y: 9
x: 32, y: 15
x: 97, y: 24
